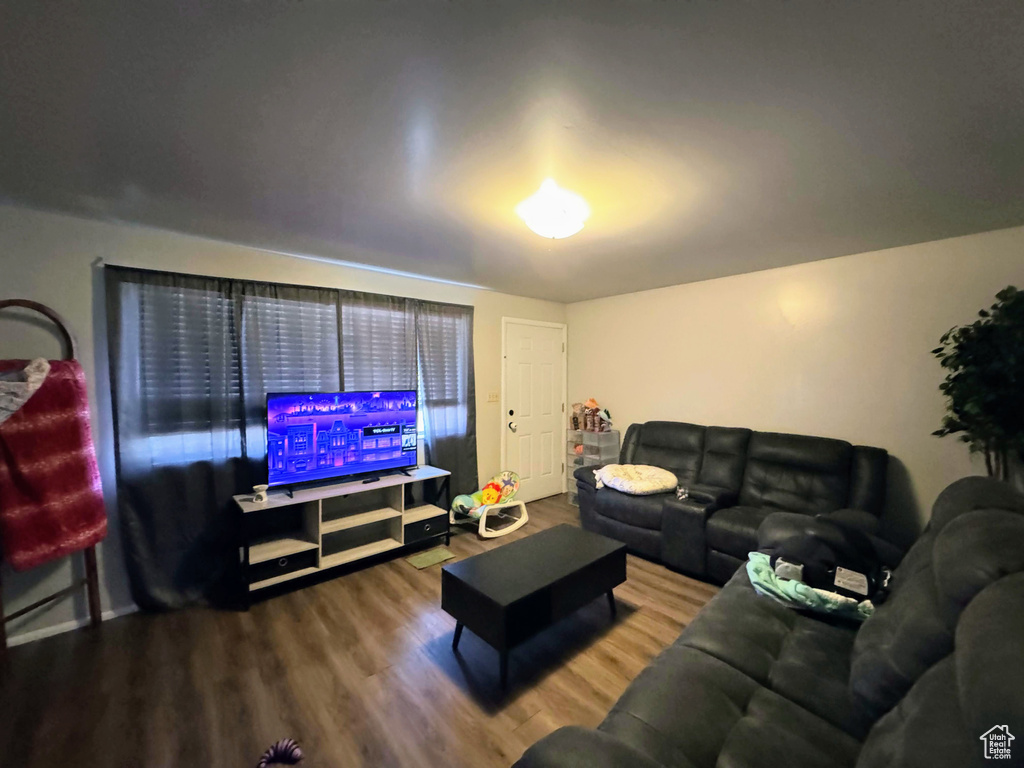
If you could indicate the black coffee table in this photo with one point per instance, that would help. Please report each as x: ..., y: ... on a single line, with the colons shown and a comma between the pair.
x: 509, y: 594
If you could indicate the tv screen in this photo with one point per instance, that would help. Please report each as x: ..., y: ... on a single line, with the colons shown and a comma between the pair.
x: 325, y: 436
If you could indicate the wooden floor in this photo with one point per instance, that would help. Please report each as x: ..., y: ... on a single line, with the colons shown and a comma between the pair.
x: 359, y: 670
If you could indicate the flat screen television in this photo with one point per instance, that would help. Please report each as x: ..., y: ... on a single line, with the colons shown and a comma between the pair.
x: 317, y: 436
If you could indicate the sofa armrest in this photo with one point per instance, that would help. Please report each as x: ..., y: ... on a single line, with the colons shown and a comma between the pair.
x: 853, y: 518
x: 712, y: 495
x: 576, y: 747
x: 585, y: 475
x: 683, y: 538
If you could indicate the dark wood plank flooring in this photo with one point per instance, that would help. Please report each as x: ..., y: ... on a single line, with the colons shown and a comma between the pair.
x: 359, y: 670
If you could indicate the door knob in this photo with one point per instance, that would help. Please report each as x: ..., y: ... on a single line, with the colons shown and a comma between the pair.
x: 512, y: 425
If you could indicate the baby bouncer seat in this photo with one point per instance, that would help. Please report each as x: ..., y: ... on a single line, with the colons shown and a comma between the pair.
x: 494, y: 502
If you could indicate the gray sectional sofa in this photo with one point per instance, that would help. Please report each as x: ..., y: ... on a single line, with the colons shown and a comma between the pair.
x: 752, y: 684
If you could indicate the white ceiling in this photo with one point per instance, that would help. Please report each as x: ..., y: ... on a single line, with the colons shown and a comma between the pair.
x: 710, y: 138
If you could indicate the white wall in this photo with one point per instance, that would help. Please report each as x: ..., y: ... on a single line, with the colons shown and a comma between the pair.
x: 52, y: 259
x: 838, y: 348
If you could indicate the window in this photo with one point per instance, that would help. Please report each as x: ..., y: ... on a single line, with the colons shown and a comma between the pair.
x: 187, y: 359
x: 378, y: 343
x: 290, y: 345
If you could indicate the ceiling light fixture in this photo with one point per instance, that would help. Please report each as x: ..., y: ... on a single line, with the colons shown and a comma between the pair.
x: 554, y: 212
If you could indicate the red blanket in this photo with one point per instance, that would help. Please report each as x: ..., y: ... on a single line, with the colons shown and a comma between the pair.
x: 51, y: 500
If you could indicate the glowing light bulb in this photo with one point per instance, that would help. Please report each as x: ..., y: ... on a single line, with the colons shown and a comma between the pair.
x: 554, y: 212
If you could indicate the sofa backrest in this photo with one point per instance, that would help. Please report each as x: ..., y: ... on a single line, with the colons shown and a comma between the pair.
x: 973, y: 692
x: 672, y: 445
x: 796, y: 473
x: 725, y: 457
x: 975, y: 538
x: 868, y: 473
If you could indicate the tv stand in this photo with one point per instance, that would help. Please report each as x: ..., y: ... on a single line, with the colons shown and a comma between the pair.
x: 306, y: 531
x: 399, y: 471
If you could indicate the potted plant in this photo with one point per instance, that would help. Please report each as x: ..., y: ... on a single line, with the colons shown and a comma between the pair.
x: 984, y: 384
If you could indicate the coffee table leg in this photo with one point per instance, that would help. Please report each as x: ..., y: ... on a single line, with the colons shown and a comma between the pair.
x: 611, y: 602
x: 504, y: 669
x: 458, y: 635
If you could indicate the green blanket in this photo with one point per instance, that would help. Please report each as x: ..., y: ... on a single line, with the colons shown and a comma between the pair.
x: 796, y: 594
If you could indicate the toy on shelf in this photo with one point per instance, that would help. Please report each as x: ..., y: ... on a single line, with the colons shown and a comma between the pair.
x: 595, y: 418
x: 577, y: 416
x: 493, y: 499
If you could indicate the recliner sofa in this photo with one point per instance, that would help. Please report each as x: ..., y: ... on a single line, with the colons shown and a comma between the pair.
x: 736, y: 478
x: 753, y: 684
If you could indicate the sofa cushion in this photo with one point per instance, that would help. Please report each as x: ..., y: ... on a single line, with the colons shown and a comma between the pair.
x: 797, y: 655
x: 796, y: 473
x: 675, y: 446
x: 689, y: 708
x: 733, y: 530
x: 635, y: 479
x: 640, y: 511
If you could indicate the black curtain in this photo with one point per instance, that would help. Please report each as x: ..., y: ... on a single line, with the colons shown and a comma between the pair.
x: 191, y: 361
x: 448, y: 390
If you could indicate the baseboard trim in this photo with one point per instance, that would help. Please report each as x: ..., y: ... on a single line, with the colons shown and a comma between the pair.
x: 66, y: 626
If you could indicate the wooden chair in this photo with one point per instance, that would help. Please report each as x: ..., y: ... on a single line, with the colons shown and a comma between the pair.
x: 91, y: 580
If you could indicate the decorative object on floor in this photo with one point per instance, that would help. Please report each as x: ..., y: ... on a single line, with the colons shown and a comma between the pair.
x: 284, y: 752
x: 635, y: 479
x: 430, y: 557
x: 56, y: 506
x: 491, y: 502
x: 496, y: 594
x: 984, y: 383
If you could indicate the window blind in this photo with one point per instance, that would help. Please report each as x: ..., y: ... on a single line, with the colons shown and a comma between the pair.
x: 378, y: 342
x: 188, y: 359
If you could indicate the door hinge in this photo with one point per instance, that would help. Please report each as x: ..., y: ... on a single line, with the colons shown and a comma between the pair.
x: 563, y: 346
x: 563, y: 407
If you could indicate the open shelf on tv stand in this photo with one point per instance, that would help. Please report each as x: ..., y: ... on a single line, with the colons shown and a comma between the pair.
x: 313, y: 528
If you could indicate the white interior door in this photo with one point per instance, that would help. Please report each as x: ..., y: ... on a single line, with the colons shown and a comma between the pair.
x: 533, y: 406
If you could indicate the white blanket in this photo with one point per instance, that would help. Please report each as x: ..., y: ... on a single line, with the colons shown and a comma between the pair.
x: 635, y: 479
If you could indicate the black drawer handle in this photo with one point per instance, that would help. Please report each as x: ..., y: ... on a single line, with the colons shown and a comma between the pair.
x: 426, y: 527
x: 282, y: 562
